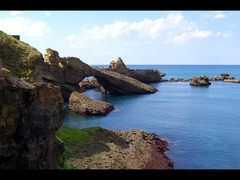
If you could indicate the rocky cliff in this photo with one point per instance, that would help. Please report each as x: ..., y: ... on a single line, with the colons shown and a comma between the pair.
x: 30, y: 114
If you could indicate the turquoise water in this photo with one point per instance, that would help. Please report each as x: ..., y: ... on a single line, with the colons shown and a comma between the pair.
x: 201, y: 124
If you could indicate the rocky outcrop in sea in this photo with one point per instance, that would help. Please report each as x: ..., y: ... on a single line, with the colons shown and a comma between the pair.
x: 143, y: 75
x: 79, y: 103
x: 199, y: 81
x: 69, y: 72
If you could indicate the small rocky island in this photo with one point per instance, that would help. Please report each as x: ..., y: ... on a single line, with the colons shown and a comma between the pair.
x: 200, y: 81
x: 79, y: 103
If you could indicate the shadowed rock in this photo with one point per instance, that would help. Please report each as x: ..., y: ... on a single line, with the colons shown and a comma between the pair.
x: 29, y: 117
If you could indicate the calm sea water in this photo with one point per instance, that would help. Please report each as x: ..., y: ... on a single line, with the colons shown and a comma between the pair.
x: 201, y: 124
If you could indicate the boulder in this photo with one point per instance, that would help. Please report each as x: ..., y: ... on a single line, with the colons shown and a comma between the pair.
x: 180, y: 79
x: 185, y: 80
x: 231, y: 77
x: 29, y: 118
x: 199, y: 81
x: 79, y: 103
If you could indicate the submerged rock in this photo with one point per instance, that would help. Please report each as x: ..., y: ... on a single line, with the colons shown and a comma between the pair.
x: 199, y: 81
x: 232, y: 80
x: 79, y: 103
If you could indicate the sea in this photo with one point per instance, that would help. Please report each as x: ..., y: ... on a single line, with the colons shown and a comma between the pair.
x: 200, y: 124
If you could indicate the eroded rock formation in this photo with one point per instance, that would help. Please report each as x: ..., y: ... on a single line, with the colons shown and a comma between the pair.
x: 29, y: 117
x: 143, y: 75
x: 80, y: 103
x: 69, y: 72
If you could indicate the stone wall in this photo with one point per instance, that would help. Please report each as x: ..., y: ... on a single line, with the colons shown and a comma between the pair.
x: 16, y: 37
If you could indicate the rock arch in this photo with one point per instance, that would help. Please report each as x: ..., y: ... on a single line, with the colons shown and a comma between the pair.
x: 68, y: 72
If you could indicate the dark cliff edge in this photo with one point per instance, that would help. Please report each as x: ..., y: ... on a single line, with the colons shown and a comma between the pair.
x: 29, y: 117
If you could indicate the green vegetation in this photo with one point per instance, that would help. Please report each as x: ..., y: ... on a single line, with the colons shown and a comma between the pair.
x: 133, y: 82
x: 73, y: 139
x: 66, y: 85
x: 18, y: 56
x: 63, y: 165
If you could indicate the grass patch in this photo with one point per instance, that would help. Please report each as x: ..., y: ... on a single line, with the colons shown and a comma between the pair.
x: 63, y: 165
x: 74, y: 139
x: 18, y: 56
x: 133, y: 82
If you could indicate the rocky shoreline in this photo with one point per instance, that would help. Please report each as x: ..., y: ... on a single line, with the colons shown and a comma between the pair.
x: 215, y: 78
x: 131, y: 149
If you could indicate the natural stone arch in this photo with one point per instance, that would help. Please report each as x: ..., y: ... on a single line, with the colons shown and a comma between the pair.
x: 68, y: 72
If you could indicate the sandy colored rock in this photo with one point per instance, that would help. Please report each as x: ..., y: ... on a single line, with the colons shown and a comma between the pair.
x: 143, y: 75
x: 80, y: 103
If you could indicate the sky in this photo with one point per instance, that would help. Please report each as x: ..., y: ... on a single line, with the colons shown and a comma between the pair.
x: 138, y: 37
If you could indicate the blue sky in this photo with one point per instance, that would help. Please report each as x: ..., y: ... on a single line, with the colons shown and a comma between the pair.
x: 139, y: 37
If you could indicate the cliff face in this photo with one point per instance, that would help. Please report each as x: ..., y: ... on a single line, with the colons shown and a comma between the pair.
x: 29, y: 117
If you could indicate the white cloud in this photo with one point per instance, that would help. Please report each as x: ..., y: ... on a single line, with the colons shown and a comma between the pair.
x: 14, y: 13
x: 225, y: 34
x: 220, y: 15
x: 132, y: 44
x: 38, y: 29
x: 232, y: 25
x: 195, y: 35
x: 20, y: 25
x: 146, y: 28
